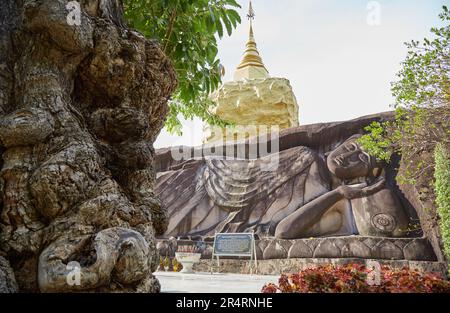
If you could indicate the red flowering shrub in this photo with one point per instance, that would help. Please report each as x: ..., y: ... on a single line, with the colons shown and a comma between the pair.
x: 354, y: 278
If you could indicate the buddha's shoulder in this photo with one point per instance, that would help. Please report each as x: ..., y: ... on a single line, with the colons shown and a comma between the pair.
x: 300, y: 151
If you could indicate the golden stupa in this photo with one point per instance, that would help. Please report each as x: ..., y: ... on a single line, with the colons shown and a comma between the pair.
x: 251, y: 66
x: 253, y: 100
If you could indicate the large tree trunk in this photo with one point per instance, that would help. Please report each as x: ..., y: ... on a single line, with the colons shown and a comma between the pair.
x: 80, y: 106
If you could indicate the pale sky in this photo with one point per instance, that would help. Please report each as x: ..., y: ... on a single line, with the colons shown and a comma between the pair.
x: 340, y: 65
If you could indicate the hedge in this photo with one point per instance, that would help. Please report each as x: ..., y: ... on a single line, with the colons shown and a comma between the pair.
x: 442, y: 191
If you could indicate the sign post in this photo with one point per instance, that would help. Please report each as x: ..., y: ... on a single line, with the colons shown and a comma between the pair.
x: 235, y: 244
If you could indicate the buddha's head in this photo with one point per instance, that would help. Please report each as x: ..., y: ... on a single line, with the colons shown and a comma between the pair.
x: 349, y: 161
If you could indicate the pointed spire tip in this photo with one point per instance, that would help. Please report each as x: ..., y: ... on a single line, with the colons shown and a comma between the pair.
x: 251, y: 65
x: 251, y: 12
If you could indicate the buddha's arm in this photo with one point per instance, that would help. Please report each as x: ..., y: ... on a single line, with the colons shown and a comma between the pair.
x: 296, y: 223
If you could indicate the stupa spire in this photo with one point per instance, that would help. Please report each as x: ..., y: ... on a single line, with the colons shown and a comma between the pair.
x: 251, y: 66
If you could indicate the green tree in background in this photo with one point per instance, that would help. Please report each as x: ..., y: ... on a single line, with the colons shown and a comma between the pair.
x: 422, y: 95
x: 187, y: 31
x: 420, y: 131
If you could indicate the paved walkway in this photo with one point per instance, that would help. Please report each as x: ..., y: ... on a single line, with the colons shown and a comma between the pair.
x: 217, y: 283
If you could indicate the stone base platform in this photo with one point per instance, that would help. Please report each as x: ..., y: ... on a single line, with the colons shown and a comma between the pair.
x: 361, y: 247
x: 289, y: 266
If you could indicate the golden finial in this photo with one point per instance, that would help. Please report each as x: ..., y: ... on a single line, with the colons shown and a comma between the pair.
x: 251, y: 12
x: 251, y: 65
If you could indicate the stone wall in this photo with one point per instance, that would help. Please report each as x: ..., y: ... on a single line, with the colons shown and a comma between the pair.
x: 414, y: 249
x: 289, y: 266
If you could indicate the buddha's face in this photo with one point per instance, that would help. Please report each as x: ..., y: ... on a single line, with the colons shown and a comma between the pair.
x: 348, y: 161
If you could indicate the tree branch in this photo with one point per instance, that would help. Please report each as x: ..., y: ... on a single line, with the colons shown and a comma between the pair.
x: 169, y: 31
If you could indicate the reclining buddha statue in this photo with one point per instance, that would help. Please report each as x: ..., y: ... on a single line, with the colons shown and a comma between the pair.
x: 342, y: 192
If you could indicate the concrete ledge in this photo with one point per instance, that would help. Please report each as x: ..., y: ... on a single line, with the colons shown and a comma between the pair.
x: 288, y: 266
x: 361, y: 247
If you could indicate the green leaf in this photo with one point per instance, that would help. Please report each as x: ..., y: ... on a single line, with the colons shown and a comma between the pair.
x: 227, y: 23
x: 219, y: 28
x: 190, y: 41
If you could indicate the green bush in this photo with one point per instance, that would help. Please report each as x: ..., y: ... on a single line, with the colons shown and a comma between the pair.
x: 442, y: 190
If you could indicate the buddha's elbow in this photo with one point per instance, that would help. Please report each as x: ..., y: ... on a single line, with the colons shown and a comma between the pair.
x: 282, y: 232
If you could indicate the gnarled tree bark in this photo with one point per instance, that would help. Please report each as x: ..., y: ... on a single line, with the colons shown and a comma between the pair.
x: 80, y: 106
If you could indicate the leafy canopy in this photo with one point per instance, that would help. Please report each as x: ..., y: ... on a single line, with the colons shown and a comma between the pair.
x: 187, y: 31
x: 422, y: 94
x: 420, y: 131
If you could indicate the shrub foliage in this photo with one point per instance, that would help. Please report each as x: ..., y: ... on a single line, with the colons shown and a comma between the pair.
x: 442, y: 190
x: 353, y: 278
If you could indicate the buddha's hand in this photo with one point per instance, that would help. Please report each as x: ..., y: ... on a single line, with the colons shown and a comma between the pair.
x: 361, y: 190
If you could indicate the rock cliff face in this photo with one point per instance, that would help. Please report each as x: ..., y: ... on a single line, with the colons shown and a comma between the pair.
x: 422, y: 197
x: 205, y: 192
x: 267, y: 101
x: 82, y: 98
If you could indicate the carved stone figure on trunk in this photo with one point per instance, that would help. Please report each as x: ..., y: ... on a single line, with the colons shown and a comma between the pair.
x: 80, y: 105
